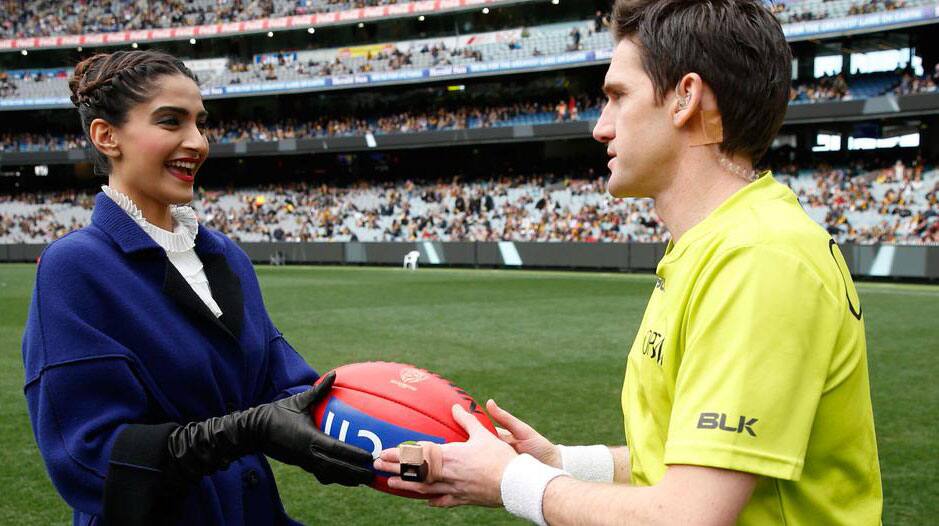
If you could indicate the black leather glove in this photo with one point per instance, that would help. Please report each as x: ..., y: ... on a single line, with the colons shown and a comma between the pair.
x: 283, y: 430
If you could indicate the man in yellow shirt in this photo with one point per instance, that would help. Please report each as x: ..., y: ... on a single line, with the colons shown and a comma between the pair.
x: 746, y: 398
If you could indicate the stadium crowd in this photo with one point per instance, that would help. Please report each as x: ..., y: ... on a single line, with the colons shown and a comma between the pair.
x: 830, y: 87
x: 791, y: 11
x: 827, y: 88
x: 893, y: 204
x: 42, y: 83
x: 837, y: 87
x: 49, y: 17
x: 292, y: 66
x: 542, y: 207
x: 388, y: 60
x: 7, y: 87
x: 912, y: 84
x: 41, y: 142
x: 407, y: 122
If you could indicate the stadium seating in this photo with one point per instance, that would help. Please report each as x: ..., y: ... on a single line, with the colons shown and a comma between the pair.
x: 789, y: 11
x: 49, y: 17
x: 895, y: 204
x: 888, y: 205
x: 442, y: 119
x: 550, y: 39
x: 854, y: 87
x: 34, y: 142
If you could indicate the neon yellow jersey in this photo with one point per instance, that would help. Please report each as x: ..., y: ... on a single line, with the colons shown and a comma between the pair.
x: 751, y: 357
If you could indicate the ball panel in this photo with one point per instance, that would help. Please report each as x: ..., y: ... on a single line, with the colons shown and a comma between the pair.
x: 353, y: 417
x: 378, y: 405
x: 414, y: 387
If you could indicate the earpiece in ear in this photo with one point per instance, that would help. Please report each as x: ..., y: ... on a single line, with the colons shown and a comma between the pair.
x: 683, y: 100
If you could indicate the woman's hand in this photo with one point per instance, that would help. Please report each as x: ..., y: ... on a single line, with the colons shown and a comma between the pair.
x: 283, y: 430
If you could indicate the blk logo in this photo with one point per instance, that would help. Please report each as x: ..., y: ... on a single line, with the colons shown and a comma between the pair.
x: 719, y: 421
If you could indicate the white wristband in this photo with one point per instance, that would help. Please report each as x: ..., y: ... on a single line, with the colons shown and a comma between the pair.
x: 523, y: 485
x: 591, y: 463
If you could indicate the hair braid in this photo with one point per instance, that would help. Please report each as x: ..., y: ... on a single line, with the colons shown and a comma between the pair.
x: 105, y: 86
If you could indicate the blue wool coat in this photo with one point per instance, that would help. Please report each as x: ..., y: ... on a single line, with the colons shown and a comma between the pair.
x: 119, y: 350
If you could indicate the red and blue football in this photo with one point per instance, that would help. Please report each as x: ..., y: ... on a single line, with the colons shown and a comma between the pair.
x: 379, y: 405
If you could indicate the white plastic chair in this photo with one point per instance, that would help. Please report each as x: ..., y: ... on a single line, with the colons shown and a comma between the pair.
x: 410, y: 260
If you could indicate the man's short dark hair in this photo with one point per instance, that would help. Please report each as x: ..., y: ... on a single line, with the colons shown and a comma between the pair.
x: 738, y: 48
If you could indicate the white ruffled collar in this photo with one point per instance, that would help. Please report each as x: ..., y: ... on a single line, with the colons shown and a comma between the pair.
x: 186, y: 225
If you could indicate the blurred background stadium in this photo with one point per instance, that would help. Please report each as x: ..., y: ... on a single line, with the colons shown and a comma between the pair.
x: 353, y: 132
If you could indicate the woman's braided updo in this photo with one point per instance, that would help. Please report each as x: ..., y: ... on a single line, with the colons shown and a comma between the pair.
x: 106, y: 86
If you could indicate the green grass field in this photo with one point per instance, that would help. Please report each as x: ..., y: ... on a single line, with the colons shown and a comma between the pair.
x: 549, y: 346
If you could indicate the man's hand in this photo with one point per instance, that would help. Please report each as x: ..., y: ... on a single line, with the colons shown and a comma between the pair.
x: 522, y: 437
x: 460, y: 472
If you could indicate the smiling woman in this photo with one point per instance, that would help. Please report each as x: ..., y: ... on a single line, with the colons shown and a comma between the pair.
x: 143, y: 113
x: 144, y: 320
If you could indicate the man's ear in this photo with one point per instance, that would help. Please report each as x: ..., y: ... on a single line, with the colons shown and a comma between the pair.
x: 689, y: 93
x: 696, y: 110
x: 103, y: 135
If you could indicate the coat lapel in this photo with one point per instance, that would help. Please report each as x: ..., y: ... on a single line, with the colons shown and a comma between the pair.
x: 176, y: 287
x: 226, y: 289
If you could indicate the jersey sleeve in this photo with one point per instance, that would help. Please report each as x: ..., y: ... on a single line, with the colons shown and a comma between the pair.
x: 760, y: 328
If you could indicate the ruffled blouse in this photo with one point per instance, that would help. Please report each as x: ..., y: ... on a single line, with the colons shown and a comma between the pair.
x: 178, y: 244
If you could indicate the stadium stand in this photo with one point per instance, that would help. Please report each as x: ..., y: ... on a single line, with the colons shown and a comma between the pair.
x: 910, y: 84
x: 892, y: 204
x: 789, y: 11
x: 48, y: 17
x: 525, y: 113
x: 442, y: 119
x: 864, y: 86
x: 41, y: 142
x: 824, y: 89
x: 512, y: 44
x: 836, y: 87
x: 896, y: 204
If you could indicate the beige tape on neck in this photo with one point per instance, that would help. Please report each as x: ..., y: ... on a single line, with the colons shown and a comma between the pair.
x: 707, y: 128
